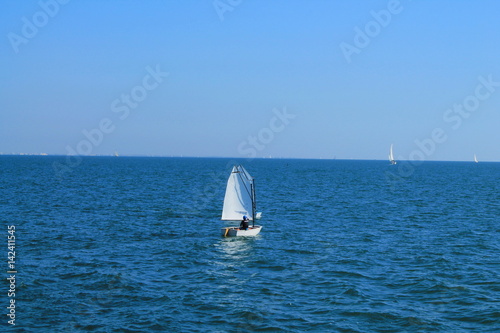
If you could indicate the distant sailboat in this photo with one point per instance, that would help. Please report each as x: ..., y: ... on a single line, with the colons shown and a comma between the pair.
x: 391, y: 157
x: 475, y: 159
x: 239, y: 201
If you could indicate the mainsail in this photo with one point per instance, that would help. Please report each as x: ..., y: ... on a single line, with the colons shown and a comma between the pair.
x: 240, y: 195
x: 391, y: 157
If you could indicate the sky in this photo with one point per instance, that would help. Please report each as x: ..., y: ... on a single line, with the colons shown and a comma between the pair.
x: 240, y: 78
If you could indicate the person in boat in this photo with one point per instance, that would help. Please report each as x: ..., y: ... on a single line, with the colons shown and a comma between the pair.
x: 244, y: 223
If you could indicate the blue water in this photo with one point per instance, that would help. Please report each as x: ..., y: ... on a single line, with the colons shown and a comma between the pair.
x: 133, y: 245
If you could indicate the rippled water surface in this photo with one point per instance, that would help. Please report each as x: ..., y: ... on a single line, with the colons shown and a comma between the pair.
x: 133, y: 245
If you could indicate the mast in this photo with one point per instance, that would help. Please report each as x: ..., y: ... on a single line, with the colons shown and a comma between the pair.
x: 253, y: 202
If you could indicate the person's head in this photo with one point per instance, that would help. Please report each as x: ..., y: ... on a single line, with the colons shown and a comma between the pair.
x: 244, y: 217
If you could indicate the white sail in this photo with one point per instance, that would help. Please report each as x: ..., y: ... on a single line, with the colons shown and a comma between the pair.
x: 475, y: 159
x: 240, y: 195
x: 391, y: 156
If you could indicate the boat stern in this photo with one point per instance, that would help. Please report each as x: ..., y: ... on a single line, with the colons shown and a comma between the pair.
x: 234, y: 232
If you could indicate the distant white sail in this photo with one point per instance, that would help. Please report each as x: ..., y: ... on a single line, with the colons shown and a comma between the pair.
x: 240, y: 195
x: 391, y: 156
x: 475, y: 159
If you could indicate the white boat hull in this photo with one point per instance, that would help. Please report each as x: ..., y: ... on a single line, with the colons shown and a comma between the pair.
x: 235, y: 232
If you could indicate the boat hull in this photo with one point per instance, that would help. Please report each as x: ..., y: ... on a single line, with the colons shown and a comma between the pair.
x: 236, y: 232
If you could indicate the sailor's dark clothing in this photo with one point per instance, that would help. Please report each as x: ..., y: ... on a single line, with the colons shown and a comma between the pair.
x: 244, y: 225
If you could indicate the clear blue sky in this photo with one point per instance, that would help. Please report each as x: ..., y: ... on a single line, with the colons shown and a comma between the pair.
x: 230, y: 67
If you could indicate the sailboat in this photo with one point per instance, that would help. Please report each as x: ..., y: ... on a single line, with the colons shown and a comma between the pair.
x: 239, y: 201
x: 391, y: 157
x: 475, y: 159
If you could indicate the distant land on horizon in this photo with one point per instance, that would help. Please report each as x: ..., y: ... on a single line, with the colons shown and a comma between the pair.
x: 236, y: 157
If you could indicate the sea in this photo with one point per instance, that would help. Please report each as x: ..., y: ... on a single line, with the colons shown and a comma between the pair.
x: 133, y: 244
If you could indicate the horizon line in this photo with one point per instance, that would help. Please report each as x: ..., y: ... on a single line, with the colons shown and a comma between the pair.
x: 233, y: 157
